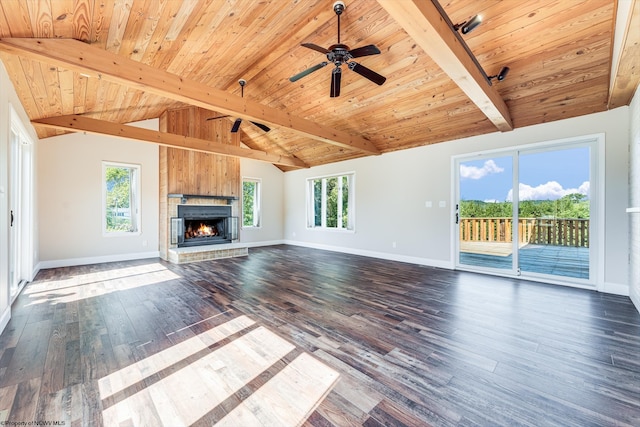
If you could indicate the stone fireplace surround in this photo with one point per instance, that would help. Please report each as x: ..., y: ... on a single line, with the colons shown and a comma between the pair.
x: 181, y: 255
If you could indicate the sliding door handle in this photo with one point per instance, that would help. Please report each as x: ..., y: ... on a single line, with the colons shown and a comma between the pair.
x: 11, y: 218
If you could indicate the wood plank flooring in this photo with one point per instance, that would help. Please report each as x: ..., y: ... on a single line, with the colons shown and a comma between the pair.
x: 413, y: 346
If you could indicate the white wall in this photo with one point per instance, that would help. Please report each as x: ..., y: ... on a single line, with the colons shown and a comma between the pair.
x: 391, y: 191
x: 634, y: 199
x: 271, y: 230
x: 8, y: 99
x: 69, y: 183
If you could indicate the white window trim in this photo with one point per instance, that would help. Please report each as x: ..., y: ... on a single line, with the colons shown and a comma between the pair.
x: 310, y: 219
x: 257, y: 204
x: 137, y: 215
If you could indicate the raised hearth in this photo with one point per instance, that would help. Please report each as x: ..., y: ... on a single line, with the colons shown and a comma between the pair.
x: 204, y: 253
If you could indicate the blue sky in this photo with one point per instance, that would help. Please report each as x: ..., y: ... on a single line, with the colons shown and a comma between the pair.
x: 543, y: 176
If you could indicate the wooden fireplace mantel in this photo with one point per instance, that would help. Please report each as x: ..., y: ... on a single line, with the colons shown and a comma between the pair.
x: 184, y: 197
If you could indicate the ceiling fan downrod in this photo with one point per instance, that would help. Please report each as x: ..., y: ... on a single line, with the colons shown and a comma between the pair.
x: 338, y: 8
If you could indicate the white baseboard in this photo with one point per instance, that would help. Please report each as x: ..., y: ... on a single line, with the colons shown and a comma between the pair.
x: 373, y: 254
x: 615, y: 288
x: 265, y: 243
x: 635, y: 298
x: 95, y: 260
x: 4, y: 319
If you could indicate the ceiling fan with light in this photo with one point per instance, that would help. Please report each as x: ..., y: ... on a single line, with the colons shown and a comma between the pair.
x: 340, y: 54
x: 236, y: 124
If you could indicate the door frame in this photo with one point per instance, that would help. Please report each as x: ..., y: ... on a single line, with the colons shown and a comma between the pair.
x: 21, y: 191
x: 596, y: 143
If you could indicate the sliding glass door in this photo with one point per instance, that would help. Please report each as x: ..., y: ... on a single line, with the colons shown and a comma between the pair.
x: 542, y: 230
x: 484, y: 213
x: 554, y: 212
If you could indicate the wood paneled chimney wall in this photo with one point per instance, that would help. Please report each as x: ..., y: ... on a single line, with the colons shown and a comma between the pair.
x: 192, y: 172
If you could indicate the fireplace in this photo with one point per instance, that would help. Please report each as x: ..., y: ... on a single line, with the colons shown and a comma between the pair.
x: 198, y: 225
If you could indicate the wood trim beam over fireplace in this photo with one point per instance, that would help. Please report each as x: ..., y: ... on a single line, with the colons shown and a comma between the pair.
x: 77, y: 123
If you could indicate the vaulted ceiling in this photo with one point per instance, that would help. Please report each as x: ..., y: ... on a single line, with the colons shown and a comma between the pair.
x: 128, y: 60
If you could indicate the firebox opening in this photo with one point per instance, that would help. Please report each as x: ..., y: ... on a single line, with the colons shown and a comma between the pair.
x: 203, y: 225
x: 194, y: 229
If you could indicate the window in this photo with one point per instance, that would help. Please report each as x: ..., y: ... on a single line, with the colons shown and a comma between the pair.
x: 121, y: 198
x: 250, y: 202
x: 330, y: 202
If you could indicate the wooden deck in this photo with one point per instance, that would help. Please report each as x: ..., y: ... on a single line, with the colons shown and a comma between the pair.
x: 563, y: 261
x: 412, y: 345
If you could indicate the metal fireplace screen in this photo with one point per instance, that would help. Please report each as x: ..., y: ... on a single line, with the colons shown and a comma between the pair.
x: 203, y: 225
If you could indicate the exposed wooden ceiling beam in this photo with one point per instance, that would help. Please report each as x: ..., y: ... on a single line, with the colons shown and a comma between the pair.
x: 423, y: 21
x: 100, y: 127
x: 86, y: 59
x: 626, y: 75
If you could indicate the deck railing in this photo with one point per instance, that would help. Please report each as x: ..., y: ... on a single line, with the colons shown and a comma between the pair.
x: 540, y: 231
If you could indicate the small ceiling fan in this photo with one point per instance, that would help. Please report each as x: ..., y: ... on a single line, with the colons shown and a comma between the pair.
x: 339, y: 54
x: 236, y: 124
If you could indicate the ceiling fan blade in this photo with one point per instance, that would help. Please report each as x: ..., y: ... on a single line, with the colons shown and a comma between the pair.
x: 315, y: 47
x: 236, y: 125
x: 218, y: 117
x: 366, y: 72
x: 261, y: 126
x: 307, y: 71
x: 336, y: 76
x: 364, y: 51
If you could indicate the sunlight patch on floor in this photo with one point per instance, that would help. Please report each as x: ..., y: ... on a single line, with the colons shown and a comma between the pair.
x: 290, y: 396
x: 158, y: 391
x: 91, y: 285
x: 137, y: 372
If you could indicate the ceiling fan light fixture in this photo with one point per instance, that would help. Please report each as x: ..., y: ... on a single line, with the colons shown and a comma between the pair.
x: 340, y: 54
x: 467, y: 26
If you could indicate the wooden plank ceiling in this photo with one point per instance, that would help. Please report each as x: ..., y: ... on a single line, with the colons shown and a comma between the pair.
x: 559, y: 53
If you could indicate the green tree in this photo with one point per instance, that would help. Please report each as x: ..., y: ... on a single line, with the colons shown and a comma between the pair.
x: 345, y: 202
x: 248, y: 202
x: 118, y: 198
x: 332, y: 202
x: 570, y: 206
x: 317, y: 202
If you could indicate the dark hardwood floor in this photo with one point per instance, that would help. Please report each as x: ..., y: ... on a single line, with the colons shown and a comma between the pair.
x: 413, y: 345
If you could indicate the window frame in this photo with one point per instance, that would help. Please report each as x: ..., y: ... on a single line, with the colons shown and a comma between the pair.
x: 135, y: 199
x: 257, y: 203
x: 310, y: 203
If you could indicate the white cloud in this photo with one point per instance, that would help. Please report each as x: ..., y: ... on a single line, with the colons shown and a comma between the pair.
x: 473, y: 172
x: 552, y: 190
